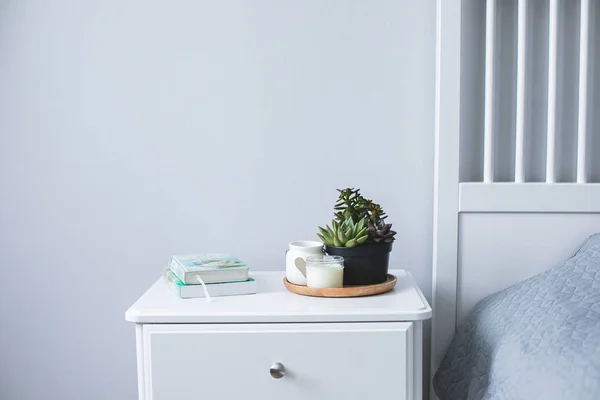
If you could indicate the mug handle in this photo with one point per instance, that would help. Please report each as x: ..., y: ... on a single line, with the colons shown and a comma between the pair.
x: 300, y: 265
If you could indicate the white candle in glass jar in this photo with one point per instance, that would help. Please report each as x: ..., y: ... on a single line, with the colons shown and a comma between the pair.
x: 325, y: 271
x: 325, y: 277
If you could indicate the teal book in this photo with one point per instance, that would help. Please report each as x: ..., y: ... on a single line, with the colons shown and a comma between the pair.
x: 214, y: 289
x: 208, y: 267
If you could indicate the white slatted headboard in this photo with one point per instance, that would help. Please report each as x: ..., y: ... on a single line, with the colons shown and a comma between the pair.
x: 517, y: 146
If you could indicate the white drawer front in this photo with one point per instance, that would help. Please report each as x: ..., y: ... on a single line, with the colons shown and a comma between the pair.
x: 322, y: 361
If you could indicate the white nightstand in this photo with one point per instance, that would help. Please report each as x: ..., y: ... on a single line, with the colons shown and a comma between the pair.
x: 277, y: 345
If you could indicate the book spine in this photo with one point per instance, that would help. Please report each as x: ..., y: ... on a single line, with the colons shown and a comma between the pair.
x: 174, y: 286
x: 177, y: 269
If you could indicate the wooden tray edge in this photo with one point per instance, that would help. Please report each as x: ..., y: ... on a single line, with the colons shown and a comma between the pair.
x: 345, y: 292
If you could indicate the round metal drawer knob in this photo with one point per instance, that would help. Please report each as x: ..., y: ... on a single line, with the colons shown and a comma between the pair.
x: 277, y: 370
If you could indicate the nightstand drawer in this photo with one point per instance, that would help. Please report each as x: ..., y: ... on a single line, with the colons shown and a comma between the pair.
x: 317, y: 361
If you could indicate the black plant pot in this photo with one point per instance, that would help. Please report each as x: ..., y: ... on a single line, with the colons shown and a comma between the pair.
x: 366, y: 264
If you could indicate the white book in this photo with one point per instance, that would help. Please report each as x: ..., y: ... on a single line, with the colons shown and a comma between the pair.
x: 214, y: 289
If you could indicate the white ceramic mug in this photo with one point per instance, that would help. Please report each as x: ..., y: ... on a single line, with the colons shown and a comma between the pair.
x: 295, y: 259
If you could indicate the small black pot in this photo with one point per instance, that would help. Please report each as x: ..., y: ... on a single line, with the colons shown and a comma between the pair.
x: 366, y: 264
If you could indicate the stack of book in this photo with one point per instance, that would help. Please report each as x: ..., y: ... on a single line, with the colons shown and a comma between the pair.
x: 191, y: 276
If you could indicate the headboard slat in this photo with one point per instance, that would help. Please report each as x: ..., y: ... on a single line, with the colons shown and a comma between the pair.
x: 521, y: 72
x: 552, y: 84
x: 584, y: 30
x: 488, y: 129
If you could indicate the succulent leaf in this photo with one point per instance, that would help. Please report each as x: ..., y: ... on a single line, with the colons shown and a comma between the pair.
x: 362, y: 239
x: 342, y: 237
x: 351, y: 243
x: 349, y: 233
x: 336, y: 242
x: 362, y: 232
x: 361, y: 224
x: 344, y: 225
x: 323, y: 231
x: 329, y: 230
x: 325, y: 240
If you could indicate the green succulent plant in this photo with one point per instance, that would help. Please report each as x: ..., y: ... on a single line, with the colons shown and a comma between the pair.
x: 345, y: 234
x: 357, y: 220
x: 351, y: 204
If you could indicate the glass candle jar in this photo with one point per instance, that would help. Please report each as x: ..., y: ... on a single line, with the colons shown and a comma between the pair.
x: 324, y: 271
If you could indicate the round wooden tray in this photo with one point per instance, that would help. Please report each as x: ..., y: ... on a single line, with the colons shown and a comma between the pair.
x: 347, y: 291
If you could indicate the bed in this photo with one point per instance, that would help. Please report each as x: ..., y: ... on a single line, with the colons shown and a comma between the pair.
x: 516, y: 254
x: 537, y: 339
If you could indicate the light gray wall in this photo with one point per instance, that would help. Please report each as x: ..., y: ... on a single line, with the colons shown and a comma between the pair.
x: 132, y: 130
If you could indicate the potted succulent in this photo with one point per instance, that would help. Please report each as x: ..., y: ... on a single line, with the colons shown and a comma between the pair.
x: 360, y: 234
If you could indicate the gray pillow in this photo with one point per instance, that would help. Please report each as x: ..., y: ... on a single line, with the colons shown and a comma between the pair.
x: 538, y: 339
